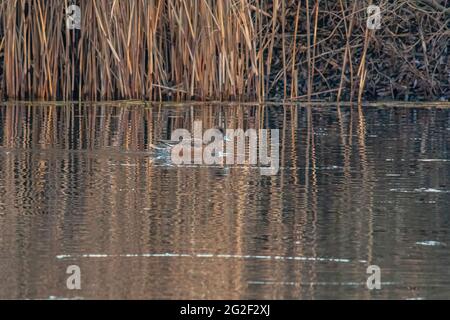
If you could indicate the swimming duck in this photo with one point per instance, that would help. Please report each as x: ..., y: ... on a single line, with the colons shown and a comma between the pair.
x: 194, y: 142
x: 163, y: 148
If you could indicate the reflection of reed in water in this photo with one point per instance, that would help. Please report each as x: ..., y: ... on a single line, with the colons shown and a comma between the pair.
x: 77, y: 179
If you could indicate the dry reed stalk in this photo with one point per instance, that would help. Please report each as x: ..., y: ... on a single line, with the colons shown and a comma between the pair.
x: 308, y: 54
x: 223, y: 50
x: 294, y: 73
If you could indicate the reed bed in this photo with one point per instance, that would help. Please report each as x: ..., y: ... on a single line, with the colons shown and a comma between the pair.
x: 227, y: 50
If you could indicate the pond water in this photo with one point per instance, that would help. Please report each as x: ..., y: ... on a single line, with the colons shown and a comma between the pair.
x: 81, y: 185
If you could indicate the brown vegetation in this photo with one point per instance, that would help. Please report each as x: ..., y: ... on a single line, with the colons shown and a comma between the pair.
x: 224, y: 50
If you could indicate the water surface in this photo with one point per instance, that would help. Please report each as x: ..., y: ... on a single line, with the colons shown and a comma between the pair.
x: 357, y: 187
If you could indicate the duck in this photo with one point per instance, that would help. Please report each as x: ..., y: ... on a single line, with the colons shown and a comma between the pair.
x: 163, y: 148
x: 164, y: 145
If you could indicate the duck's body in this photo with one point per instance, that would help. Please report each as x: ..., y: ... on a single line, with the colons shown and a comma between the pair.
x: 163, y: 149
x: 193, y: 142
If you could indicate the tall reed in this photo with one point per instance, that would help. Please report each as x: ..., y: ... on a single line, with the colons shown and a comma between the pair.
x: 221, y: 50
